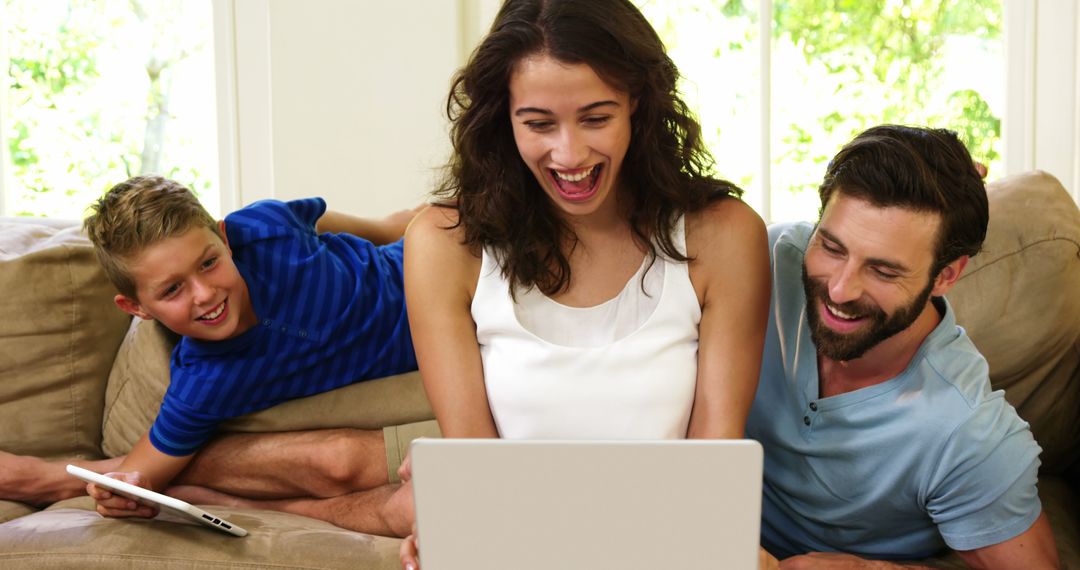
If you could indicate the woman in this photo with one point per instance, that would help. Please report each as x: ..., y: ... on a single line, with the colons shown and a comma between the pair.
x: 584, y: 276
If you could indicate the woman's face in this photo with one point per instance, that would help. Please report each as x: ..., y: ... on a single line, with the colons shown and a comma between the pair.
x: 572, y: 129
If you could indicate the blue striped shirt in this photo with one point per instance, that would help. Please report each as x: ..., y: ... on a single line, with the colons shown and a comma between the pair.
x: 331, y: 311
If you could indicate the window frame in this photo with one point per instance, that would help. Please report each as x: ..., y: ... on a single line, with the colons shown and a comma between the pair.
x: 1041, y: 122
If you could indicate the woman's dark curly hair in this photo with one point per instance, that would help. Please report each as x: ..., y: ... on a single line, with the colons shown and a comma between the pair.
x: 501, y: 205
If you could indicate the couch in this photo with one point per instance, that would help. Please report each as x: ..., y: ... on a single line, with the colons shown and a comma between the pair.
x: 78, y: 377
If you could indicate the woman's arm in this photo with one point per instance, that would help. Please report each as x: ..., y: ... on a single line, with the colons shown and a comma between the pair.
x: 440, y: 280
x: 730, y: 273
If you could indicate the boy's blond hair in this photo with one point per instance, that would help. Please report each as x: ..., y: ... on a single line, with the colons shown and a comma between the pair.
x: 136, y: 214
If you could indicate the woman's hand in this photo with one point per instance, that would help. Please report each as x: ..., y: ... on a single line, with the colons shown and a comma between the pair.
x: 409, y: 551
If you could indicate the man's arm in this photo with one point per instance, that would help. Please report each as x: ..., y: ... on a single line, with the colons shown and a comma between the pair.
x: 1034, y: 549
x: 146, y: 467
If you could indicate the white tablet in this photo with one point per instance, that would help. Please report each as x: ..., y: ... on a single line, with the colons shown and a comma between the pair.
x: 172, y: 504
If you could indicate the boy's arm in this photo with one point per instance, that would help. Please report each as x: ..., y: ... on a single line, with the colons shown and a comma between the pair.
x: 146, y: 467
x: 379, y: 232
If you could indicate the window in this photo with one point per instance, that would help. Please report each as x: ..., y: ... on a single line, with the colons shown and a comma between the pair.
x: 95, y: 91
x: 830, y: 70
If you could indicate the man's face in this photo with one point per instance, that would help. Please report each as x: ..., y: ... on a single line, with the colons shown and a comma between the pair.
x: 866, y: 274
x: 189, y: 284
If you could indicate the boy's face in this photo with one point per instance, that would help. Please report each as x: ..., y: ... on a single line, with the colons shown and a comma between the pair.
x: 189, y: 284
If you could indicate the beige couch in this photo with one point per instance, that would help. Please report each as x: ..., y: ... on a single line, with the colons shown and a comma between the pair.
x: 77, y: 377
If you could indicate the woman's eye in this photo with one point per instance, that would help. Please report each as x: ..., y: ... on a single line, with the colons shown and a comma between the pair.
x: 596, y: 121
x: 539, y: 126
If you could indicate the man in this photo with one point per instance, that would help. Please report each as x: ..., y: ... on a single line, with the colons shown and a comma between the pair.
x: 882, y: 437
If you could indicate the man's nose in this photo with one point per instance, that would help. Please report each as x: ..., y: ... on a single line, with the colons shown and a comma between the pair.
x: 845, y: 287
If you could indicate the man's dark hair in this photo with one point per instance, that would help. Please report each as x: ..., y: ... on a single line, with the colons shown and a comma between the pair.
x: 926, y: 170
x: 500, y: 204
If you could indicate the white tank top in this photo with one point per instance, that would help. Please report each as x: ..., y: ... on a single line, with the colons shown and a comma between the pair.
x: 624, y: 369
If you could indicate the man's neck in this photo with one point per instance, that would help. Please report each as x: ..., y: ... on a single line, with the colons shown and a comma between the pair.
x: 881, y: 363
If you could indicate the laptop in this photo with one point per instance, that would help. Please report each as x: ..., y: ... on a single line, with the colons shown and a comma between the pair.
x: 529, y: 504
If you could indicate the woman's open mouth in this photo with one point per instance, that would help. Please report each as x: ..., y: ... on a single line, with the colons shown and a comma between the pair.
x: 577, y: 185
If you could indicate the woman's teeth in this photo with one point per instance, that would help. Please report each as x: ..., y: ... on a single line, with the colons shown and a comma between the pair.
x: 578, y: 177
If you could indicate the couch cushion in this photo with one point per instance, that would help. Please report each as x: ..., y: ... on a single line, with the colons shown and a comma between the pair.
x: 71, y: 535
x: 1019, y: 299
x: 13, y: 510
x: 61, y: 331
x: 140, y: 376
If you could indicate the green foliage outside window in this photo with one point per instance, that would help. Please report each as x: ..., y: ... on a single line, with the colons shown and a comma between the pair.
x: 838, y: 67
x: 89, y: 99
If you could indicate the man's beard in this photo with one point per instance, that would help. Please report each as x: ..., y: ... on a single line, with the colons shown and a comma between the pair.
x: 844, y: 347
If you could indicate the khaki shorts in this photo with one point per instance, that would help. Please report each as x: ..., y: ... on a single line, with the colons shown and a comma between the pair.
x: 397, y: 440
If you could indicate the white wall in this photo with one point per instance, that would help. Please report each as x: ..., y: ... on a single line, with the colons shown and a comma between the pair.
x: 345, y: 98
x: 1043, y: 93
x: 342, y: 99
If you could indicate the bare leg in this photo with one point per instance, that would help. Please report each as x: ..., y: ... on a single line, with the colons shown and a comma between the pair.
x: 386, y: 510
x: 39, y: 482
x: 320, y: 463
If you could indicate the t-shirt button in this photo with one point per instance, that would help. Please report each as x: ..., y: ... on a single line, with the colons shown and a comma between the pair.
x: 266, y: 322
x: 806, y: 420
x: 813, y: 406
x: 284, y: 329
x: 303, y: 334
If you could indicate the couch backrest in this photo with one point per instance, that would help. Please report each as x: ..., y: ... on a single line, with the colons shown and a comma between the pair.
x: 59, y: 332
x: 1019, y: 300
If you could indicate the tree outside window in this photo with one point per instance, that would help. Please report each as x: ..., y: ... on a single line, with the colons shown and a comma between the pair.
x: 100, y: 90
x: 837, y: 68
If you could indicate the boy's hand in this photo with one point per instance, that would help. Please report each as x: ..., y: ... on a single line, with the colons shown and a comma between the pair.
x: 395, y: 224
x: 110, y: 504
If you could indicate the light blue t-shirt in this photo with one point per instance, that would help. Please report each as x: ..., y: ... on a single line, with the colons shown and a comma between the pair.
x: 897, y: 470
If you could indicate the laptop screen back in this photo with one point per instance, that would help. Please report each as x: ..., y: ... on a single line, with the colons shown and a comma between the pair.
x: 587, y: 504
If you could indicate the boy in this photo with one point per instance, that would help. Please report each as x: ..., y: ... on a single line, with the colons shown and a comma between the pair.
x: 269, y: 307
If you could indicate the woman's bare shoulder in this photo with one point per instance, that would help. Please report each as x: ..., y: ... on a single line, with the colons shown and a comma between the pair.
x: 436, y: 238
x: 723, y: 225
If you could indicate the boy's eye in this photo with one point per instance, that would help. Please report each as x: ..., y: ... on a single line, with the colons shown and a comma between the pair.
x: 170, y: 290
x: 209, y: 263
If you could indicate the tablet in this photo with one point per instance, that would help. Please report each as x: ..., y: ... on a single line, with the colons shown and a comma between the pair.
x: 146, y: 496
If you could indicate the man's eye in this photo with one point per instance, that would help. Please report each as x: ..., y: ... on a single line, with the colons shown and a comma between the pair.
x: 830, y: 247
x: 886, y: 275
